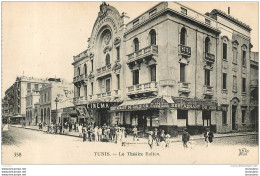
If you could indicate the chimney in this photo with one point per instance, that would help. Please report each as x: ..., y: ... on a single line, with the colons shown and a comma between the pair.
x: 229, y: 10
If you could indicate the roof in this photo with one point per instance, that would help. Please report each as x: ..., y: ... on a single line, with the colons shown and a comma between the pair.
x: 229, y: 17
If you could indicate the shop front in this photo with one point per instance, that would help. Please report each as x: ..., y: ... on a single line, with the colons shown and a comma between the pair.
x: 172, y: 114
x: 68, y: 115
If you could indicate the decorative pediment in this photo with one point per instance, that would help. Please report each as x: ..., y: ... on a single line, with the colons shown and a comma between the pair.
x: 106, y: 49
x: 91, y: 75
x: 91, y: 55
x: 235, y: 43
x: 184, y: 60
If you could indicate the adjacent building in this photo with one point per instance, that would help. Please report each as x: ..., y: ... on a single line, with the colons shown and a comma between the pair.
x: 15, y: 97
x: 54, y: 96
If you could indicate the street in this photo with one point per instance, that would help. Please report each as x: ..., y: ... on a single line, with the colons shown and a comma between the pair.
x: 36, y: 147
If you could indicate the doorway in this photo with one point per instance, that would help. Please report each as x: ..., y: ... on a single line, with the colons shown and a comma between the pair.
x: 234, y: 112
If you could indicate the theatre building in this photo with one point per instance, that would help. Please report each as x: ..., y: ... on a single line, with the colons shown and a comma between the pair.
x: 167, y: 68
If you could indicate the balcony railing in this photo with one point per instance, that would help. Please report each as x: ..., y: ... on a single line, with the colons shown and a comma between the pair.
x: 142, y: 88
x: 80, y: 78
x: 104, y: 95
x: 104, y: 69
x: 184, y: 87
x: 185, y: 50
x: 209, y: 57
x: 80, y: 100
x: 208, y: 90
x: 150, y: 50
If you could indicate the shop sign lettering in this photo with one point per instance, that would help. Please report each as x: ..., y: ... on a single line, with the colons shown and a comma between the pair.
x: 98, y: 106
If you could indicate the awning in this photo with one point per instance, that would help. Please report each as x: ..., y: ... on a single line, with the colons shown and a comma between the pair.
x: 145, y: 103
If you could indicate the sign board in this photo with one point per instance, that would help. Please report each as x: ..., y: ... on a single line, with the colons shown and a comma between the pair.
x: 167, y: 82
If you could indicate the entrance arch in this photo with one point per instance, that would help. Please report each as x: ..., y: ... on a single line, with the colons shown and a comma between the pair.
x: 234, y: 104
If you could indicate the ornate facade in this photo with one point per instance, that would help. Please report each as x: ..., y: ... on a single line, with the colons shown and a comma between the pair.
x: 168, y: 68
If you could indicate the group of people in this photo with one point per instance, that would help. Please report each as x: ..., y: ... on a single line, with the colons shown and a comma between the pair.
x: 158, y: 138
x: 208, y: 135
x: 116, y: 134
x: 103, y: 133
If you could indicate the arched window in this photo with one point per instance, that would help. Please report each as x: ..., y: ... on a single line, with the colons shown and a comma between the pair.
x: 136, y: 44
x: 152, y: 37
x: 183, y: 36
x: 107, y: 59
x: 85, y: 69
x: 78, y: 71
x: 207, y: 45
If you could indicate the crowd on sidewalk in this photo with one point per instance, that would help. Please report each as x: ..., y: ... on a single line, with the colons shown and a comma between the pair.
x: 118, y: 134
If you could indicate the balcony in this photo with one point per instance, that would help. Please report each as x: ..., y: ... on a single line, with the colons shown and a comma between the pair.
x: 208, y: 91
x: 142, y: 53
x: 185, y: 51
x: 104, y: 70
x: 80, y: 78
x: 209, y: 57
x: 184, y: 88
x: 104, y: 95
x: 139, y: 89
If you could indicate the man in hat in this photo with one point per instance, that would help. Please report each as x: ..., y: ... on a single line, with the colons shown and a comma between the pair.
x: 150, y: 139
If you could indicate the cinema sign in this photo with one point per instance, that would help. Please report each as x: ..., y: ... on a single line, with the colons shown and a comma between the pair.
x: 101, y: 105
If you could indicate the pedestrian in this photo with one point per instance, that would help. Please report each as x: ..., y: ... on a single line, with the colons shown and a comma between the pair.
x: 167, y: 140
x: 96, y: 133
x: 185, y: 138
x: 80, y: 130
x: 84, y: 131
x: 155, y: 136
x: 162, y: 136
x: 150, y: 139
x: 117, y: 134
x: 77, y: 127
x: 100, y: 134
x: 39, y: 126
x: 208, y: 137
x: 123, y: 136
x: 112, y: 133
x: 134, y: 133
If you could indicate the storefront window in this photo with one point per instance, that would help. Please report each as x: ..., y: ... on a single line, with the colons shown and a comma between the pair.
x: 182, y: 114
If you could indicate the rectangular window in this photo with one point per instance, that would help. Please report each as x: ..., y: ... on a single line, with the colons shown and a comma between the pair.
x: 136, y: 22
x: 243, y: 115
x: 118, y: 53
x: 78, y: 91
x: 92, y: 65
x: 45, y: 98
x: 235, y: 55
x: 48, y: 96
x: 224, y: 117
x: 29, y: 86
x: 108, y: 85
x: 182, y: 114
x: 152, y: 12
x: 183, y: 10
x: 182, y: 72
x: 206, y: 117
x: 135, y: 77
x: 92, y: 89
x: 36, y: 87
x: 244, y: 58
x: 118, y: 81
x: 224, y: 81
x: 234, y: 83
x: 207, y: 21
x: 243, y: 84
x: 85, y: 91
x: 224, y: 51
x: 153, y: 72
x: 207, y: 77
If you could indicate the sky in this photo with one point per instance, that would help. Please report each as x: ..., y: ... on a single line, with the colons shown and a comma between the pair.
x: 39, y: 39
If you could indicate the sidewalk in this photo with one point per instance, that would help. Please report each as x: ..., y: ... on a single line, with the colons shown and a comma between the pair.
x: 129, y: 139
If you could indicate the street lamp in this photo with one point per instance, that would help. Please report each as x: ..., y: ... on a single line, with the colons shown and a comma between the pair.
x: 56, y: 101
